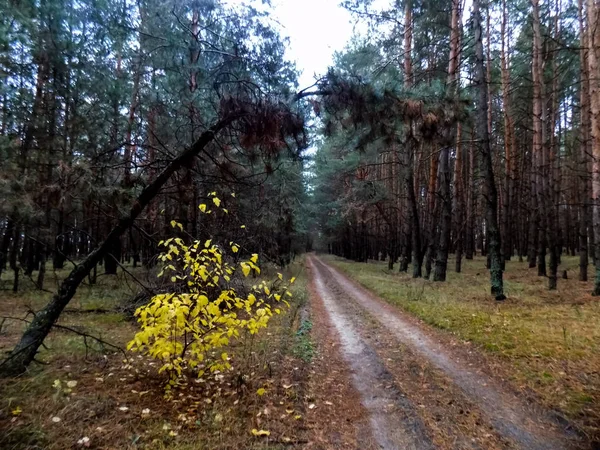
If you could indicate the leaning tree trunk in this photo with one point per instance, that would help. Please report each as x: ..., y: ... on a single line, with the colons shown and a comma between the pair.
x: 33, y: 337
x: 491, y: 194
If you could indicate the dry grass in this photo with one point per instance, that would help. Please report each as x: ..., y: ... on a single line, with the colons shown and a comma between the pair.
x: 216, y: 412
x: 549, y: 342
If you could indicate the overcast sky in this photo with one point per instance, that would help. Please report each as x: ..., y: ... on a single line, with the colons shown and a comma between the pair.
x: 317, y: 29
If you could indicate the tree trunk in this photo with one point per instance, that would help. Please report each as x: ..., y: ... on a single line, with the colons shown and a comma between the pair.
x: 594, y: 77
x: 14, y: 257
x: 584, y: 135
x: 470, y: 212
x: 441, y: 261
x: 538, y: 149
x: 458, y: 201
x: 491, y: 194
x: 509, y: 142
x: 5, y: 244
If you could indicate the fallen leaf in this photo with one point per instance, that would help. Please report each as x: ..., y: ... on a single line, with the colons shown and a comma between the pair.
x: 256, y: 432
x: 84, y: 441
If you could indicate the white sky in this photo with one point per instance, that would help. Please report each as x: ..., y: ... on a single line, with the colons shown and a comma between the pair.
x: 317, y: 29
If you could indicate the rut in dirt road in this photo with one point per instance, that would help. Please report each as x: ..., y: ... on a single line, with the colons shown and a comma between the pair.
x: 394, y: 422
x: 524, y: 425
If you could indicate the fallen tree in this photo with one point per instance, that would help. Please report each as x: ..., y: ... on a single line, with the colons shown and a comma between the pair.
x: 24, y: 352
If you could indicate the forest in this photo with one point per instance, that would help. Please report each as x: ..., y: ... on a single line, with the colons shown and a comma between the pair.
x: 169, y: 189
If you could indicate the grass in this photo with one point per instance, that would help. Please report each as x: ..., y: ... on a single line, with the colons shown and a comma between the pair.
x: 549, y: 341
x: 217, y: 412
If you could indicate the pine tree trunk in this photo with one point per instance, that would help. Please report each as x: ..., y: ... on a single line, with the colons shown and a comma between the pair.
x: 441, y: 261
x: 14, y: 257
x: 491, y: 194
x: 5, y: 244
x: 584, y: 148
x: 471, y: 189
x: 509, y: 143
x: 594, y: 77
x: 538, y: 148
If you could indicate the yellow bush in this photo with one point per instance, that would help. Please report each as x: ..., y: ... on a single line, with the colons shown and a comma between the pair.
x: 187, y: 328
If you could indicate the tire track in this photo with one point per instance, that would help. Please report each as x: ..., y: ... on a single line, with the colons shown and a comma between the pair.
x: 394, y: 422
x: 526, y: 426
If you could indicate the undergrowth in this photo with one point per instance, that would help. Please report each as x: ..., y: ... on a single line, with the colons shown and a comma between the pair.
x: 117, y: 401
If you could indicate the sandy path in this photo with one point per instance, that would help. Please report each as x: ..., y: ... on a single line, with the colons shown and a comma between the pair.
x: 395, y: 420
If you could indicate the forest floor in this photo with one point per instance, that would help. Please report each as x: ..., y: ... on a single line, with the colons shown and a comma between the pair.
x: 520, y: 374
x: 345, y: 368
x: 116, y: 400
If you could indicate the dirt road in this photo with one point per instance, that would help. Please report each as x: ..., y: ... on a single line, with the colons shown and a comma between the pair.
x: 421, y: 390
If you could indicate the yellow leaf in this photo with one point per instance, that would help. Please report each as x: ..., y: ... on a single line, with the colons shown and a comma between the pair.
x: 254, y: 258
x: 217, y: 201
x: 256, y: 432
x: 202, y: 207
x: 17, y: 411
x: 292, y: 280
x: 261, y: 391
x: 234, y: 248
x: 243, y: 226
x: 233, y: 194
x: 246, y: 269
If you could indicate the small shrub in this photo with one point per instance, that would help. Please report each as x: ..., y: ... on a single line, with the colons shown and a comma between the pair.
x: 187, y: 328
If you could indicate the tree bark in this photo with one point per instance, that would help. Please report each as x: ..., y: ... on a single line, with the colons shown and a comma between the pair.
x: 509, y: 143
x: 491, y: 194
x: 441, y: 262
x: 584, y: 135
x: 594, y: 77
